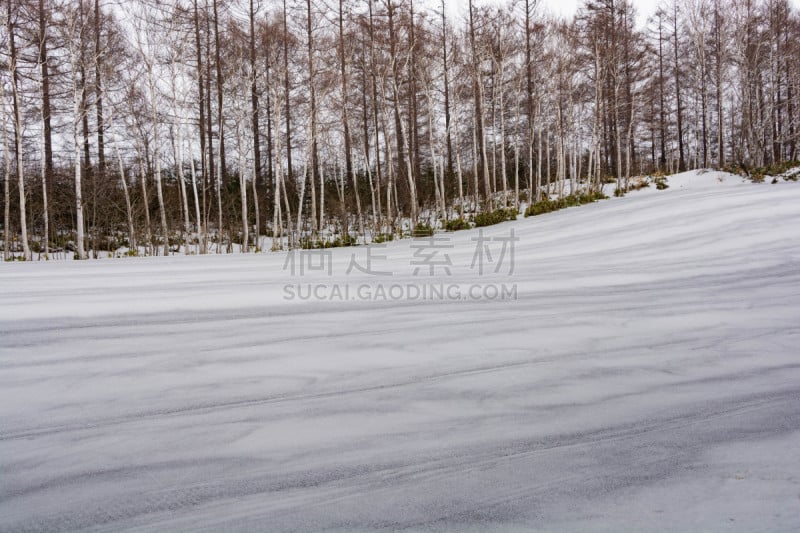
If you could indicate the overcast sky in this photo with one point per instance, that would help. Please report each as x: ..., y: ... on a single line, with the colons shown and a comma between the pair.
x: 566, y: 8
x: 563, y: 8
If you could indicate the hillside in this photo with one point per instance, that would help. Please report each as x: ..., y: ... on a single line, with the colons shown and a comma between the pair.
x: 637, y: 370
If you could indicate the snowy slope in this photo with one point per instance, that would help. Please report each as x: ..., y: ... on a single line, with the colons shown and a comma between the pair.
x: 647, y: 377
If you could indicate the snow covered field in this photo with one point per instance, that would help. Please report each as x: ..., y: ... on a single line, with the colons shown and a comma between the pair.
x: 646, y: 378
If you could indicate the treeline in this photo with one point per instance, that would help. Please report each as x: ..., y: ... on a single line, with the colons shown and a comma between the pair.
x: 213, y: 125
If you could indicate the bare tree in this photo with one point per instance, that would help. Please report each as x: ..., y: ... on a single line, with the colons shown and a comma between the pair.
x: 18, y: 125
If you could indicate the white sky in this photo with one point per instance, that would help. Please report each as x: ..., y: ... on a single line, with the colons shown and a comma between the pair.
x: 563, y: 8
x: 566, y: 8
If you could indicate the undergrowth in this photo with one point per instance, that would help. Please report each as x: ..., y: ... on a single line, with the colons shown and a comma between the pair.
x: 497, y: 216
x: 457, y: 224
x: 547, y: 206
x: 337, y: 242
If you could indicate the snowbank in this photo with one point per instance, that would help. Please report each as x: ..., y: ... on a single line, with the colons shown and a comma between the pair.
x: 645, y: 377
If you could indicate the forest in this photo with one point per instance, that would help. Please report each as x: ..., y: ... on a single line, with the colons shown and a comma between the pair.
x: 155, y: 127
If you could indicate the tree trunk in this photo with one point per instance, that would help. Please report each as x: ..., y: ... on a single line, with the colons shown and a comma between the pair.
x: 128, y: 212
x: 312, y: 90
x: 45, y: 206
x: 76, y: 120
x: 477, y: 86
x: 220, y: 108
x: 201, y: 236
x: 12, y: 67
x: 375, y: 121
x: 178, y: 154
x: 348, y: 156
x: 254, y: 105
x: 98, y: 91
x: 681, y: 160
x: 398, y: 128
x: 529, y: 5
x: 6, y: 180
x: 47, y: 143
x: 277, y: 238
x: 286, y: 88
x: 365, y: 134
x: 446, y: 94
x: 243, y: 198
x: 201, y: 128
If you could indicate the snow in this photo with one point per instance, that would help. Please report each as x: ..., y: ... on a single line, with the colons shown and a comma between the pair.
x: 646, y: 377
